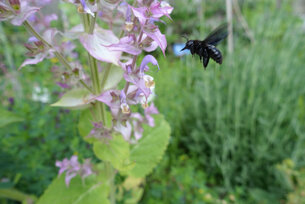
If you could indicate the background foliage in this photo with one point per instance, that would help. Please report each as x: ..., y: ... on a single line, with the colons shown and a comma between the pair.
x: 238, y: 130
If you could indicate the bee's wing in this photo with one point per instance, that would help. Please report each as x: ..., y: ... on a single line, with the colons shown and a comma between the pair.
x: 217, y: 35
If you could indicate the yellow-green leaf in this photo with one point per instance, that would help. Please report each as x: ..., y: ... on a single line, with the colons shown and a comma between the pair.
x: 90, y: 191
x: 115, y: 150
x: 7, y: 117
x: 76, y: 99
x: 150, y: 148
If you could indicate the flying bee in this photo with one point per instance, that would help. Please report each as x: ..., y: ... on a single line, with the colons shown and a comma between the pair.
x: 206, y: 49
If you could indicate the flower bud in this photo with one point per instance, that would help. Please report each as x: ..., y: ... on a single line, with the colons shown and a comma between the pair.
x: 80, y: 9
x: 65, y: 75
x: 76, y: 72
x: 39, y: 44
x: 15, y: 4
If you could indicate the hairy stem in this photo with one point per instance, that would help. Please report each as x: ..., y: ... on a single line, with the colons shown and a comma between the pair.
x: 89, y: 24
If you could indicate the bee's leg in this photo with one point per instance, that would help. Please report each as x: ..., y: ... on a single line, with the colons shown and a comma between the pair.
x: 201, y: 53
x: 205, y: 61
x: 206, y: 58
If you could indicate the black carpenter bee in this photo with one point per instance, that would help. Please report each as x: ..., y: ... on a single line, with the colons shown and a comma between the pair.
x: 206, y: 49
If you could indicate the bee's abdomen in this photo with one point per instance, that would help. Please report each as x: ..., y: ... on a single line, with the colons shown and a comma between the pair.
x: 214, y: 53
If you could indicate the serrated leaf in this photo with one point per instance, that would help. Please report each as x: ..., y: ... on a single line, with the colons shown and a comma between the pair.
x: 91, y: 191
x: 7, y: 117
x: 136, y: 195
x: 76, y: 98
x: 150, y: 148
x: 85, y: 124
x: 116, y: 151
x: 131, y: 182
x: 114, y: 77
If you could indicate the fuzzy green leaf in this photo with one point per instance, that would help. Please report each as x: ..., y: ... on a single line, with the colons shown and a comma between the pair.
x: 76, y: 98
x: 90, y: 191
x: 85, y: 124
x: 7, y: 117
x: 115, y: 150
x: 150, y: 149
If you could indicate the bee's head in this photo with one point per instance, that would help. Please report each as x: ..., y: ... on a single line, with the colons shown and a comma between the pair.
x: 188, y: 45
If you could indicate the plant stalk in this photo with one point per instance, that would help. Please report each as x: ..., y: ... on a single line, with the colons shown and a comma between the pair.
x: 89, y: 24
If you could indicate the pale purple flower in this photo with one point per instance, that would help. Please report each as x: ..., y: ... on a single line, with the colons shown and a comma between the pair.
x: 124, y: 106
x: 125, y: 130
x: 148, y: 44
x: 16, y: 11
x: 111, y: 98
x: 152, y: 109
x: 32, y: 39
x: 99, y: 131
x: 86, y: 169
x: 42, y: 23
x: 137, y: 125
x: 63, y: 85
x: 98, y: 44
x: 155, y: 11
x: 137, y: 80
x: 39, y: 51
x: 148, y: 59
x: 138, y: 120
x: 72, y: 168
x: 148, y: 15
x: 127, y: 44
x: 140, y: 13
x: 158, y: 37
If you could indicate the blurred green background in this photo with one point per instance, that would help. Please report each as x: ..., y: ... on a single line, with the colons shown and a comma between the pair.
x: 238, y: 130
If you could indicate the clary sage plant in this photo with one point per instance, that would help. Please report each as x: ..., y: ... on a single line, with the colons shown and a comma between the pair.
x: 112, y: 90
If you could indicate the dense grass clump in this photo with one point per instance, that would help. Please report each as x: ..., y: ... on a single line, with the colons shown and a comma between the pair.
x: 242, y: 118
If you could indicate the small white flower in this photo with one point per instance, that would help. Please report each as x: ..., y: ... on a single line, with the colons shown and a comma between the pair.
x: 125, y: 108
x: 149, y: 81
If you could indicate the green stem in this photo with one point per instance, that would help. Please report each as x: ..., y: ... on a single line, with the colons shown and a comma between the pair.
x: 92, y: 24
x: 110, y: 171
x: 16, y: 195
x: 7, y: 49
x: 98, y: 106
x: 57, y: 54
x: 89, y: 25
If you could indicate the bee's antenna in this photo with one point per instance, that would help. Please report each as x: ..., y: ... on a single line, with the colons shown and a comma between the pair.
x: 184, y: 36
